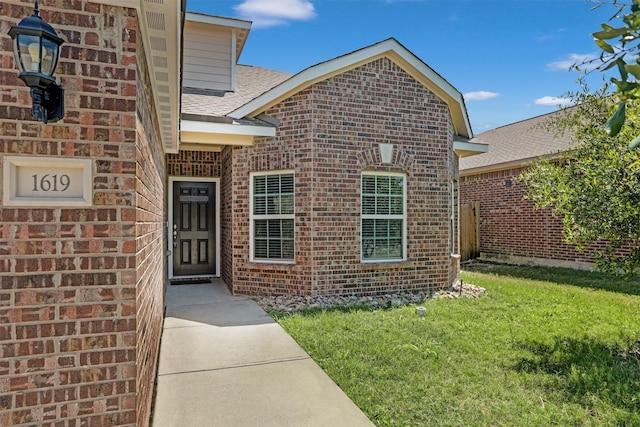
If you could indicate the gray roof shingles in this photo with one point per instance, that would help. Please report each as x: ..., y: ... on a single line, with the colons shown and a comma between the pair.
x: 521, y: 141
x: 251, y: 82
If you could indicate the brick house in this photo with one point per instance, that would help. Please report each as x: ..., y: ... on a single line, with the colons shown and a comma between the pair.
x: 352, y: 193
x: 511, y: 229
x: 339, y: 179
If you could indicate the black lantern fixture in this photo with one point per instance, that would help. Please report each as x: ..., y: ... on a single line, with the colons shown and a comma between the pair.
x: 36, y: 49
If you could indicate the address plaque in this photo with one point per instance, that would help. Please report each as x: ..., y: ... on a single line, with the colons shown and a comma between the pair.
x: 47, y: 181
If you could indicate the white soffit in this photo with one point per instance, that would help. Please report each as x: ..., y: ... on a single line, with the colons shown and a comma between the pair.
x: 466, y: 149
x: 161, y: 27
x: 389, y: 48
x: 192, y: 127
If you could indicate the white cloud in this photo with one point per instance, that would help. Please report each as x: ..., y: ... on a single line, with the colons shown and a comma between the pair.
x: 268, y: 13
x: 480, y: 95
x: 589, y: 60
x: 552, y: 101
x: 544, y: 37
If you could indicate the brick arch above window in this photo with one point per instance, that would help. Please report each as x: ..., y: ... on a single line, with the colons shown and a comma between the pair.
x: 371, y: 158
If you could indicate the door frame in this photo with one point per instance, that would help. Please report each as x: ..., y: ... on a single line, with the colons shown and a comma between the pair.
x: 216, y: 182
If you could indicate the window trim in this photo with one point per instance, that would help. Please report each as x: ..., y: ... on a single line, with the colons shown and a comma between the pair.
x: 253, y: 218
x: 402, y: 217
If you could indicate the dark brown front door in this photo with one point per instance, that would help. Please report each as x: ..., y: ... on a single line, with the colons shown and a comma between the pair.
x: 194, y: 228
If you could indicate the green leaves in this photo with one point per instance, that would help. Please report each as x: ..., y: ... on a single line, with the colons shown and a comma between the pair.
x: 596, y: 191
x: 618, y: 41
x: 604, y: 45
x: 634, y: 69
x: 610, y: 32
x: 615, y: 122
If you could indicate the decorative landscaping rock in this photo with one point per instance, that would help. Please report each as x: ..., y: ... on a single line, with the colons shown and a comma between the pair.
x: 296, y: 303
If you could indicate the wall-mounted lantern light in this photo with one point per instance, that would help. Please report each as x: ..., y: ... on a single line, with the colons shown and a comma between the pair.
x: 36, y: 49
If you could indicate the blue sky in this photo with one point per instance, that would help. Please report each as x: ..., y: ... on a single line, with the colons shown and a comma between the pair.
x: 510, y: 58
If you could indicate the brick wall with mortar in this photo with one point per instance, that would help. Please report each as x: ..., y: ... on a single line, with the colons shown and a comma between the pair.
x: 74, y: 281
x: 151, y: 241
x: 226, y: 216
x: 510, y: 227
x: 194, y: 164
x: 329, y: 134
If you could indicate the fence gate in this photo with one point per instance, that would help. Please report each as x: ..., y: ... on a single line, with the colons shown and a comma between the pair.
x: 469, y: 230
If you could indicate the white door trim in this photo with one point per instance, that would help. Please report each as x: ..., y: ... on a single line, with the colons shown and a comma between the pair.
x: 173, y: 179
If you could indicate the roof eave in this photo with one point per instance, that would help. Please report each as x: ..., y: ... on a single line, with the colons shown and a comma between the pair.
x: 216, y: 133
x: 161, y: 34
x: 520, y: 163
x: 467, y: 149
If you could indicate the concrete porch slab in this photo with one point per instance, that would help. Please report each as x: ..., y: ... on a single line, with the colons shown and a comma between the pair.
x: 232, y: 312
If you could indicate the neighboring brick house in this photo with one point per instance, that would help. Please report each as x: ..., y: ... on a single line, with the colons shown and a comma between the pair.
x: 511, y: 229
x: 341, y: 179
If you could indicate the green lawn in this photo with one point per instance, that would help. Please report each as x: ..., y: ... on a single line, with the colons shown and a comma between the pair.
x: 542, y: 347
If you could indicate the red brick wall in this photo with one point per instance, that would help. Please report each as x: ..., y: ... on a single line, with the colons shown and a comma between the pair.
x: 227, y: 199
x: 329, y: 134
x: 151, y: 243
x: 509, y: 225
x: 80, y: 299
x: 194, y: 164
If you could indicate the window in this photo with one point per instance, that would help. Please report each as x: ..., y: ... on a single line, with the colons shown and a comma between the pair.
x: 272, y: 216
x: 383, y: 225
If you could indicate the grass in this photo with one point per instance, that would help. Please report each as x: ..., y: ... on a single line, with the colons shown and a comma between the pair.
x: 542, y: 347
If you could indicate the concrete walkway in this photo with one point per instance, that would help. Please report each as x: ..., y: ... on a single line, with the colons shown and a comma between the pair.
x: 225, y: 362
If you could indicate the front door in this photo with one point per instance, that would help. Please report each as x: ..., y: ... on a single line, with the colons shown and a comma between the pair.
x: 194, y: 228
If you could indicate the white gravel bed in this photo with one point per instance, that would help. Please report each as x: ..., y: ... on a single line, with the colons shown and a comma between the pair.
x: 295, y: 303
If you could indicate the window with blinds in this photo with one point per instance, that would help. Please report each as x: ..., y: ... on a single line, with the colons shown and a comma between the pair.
x: 272, y: 217
x: 383, y: 217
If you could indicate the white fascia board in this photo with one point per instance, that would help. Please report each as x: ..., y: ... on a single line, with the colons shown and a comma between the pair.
x: 389, y: 48
x: 208, y: 140
x: 226, y: 128
x: 520, y: 163
x: 218, y: 20
x: 466, y: 149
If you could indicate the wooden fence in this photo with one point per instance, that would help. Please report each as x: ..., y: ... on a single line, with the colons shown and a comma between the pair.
x: 469, y: 230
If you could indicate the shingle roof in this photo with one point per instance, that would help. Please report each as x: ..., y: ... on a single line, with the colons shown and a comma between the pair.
x: 516, y: 143
x: 250, y: 83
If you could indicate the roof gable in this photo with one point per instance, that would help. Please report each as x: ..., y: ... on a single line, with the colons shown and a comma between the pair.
x: 390, y: 49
